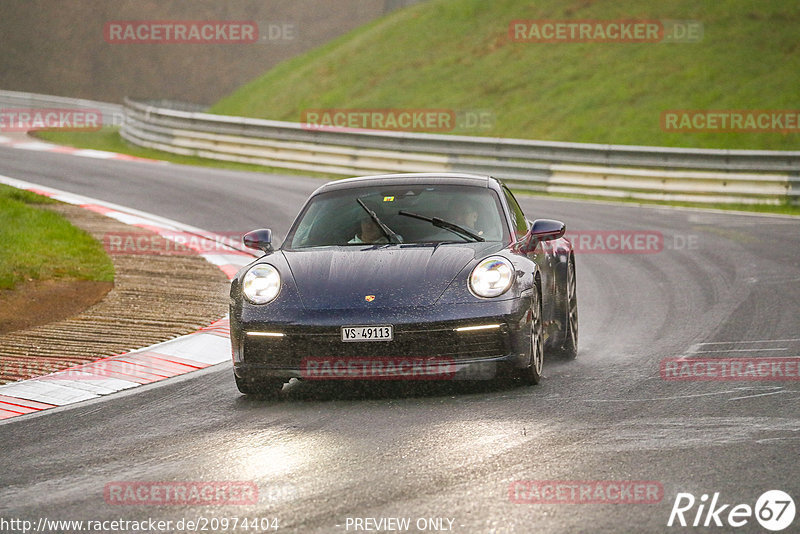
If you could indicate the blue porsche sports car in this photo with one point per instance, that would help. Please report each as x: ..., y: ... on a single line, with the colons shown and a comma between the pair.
x: 405, y: 276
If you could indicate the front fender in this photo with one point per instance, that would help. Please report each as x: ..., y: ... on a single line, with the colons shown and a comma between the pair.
x: 552, y: 257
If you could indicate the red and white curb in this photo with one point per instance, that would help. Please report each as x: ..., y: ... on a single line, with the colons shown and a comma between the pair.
x: 208, y: 346
x: 42, y: 146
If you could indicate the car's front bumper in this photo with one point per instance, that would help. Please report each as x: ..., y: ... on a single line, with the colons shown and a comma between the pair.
x: 426, y: 338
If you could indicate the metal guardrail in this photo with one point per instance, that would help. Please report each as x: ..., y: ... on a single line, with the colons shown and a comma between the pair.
x: 113, y: 114
x: 617, y: 171
x: 705, y: 175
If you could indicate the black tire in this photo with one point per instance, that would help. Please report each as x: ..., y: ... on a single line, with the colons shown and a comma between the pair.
x: 568, y: 348
x: 261, y: 388
x: 532, y: 374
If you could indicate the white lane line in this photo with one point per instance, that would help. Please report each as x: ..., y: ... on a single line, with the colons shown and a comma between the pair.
x: 771, y: 390
x: 697, y: 347
x: 767, y: 440
x: 99, y: 154
x: 758, y: 395
x: 665, y: 398
x: 228, y: 259
x: 83, y: 384
x: 733, y: 350
x: 35, y: 145
x: 30, y: 144
x: 46, y: 391
x: 198, y: 347
x: 133, y: 220
x: 88, y: 373
x: 751, y: 341
x: 754, y: 359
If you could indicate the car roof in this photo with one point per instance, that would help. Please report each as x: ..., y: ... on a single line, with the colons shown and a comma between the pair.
x: 421, y: 178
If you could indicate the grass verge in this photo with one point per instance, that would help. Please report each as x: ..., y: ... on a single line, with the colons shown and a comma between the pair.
x: 40, y: 245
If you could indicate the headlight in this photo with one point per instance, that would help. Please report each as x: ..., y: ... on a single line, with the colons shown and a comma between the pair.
x: 491, y: 277
x: 261, y: 284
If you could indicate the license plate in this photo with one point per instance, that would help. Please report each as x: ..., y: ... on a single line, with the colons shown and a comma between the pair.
x: 367, y: 333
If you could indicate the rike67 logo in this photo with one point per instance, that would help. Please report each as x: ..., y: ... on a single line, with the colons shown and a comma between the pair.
x: 774, y: 510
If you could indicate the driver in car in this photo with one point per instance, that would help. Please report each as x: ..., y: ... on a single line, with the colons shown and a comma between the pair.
x: 369, y: 233
x: 465, y: 214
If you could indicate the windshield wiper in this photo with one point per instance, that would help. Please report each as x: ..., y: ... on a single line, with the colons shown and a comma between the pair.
x: 390, y: 235
x: 447, y: 225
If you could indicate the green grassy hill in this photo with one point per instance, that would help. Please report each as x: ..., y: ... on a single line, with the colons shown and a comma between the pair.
x: 457, y: 54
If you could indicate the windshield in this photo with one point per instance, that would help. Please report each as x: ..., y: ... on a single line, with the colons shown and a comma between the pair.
x: 337, y: 218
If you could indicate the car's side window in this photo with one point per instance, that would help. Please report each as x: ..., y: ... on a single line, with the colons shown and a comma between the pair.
x: 520, y: 224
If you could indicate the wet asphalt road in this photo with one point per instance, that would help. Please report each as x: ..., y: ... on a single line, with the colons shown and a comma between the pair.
x: 723, y: 286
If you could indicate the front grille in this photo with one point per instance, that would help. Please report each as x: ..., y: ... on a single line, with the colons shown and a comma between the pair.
x: 428, y: 343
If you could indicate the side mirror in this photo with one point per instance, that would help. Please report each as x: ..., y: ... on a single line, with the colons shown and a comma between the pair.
x: 542, y: 230
x: 259, y: 239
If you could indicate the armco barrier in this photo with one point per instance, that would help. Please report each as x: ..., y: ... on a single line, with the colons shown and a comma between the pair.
x: 113, y: 114
x: 704, y: 175
x: 617, y: 171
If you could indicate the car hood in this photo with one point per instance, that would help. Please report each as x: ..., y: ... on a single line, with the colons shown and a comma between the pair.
x: 404, y: 275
